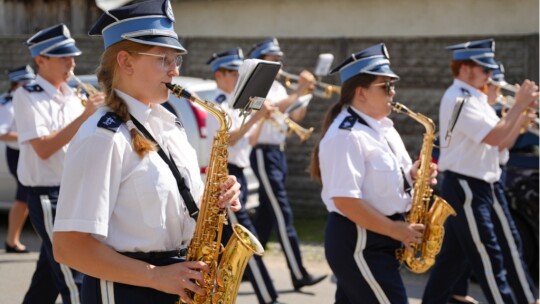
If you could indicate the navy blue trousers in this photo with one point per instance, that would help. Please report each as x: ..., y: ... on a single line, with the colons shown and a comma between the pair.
x: 50, y: 278
x: 364, y: 263
x: 12, y: 157
x: 97, y: 291
x: 256, y: 270
x: 270, y: 166
x: 484, y: 236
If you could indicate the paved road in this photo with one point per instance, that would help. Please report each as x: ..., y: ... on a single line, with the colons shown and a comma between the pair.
x: 16, y: 271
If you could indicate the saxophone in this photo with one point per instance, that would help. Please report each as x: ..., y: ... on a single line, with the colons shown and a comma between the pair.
x: 222, y: 281
x: 422, y: 257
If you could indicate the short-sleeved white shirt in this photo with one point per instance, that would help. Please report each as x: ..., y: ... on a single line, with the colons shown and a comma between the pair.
x: 274, y: 131
x: 40, y: 110
x: 130, y: 204
x: 239, y: 152
x: 7, y: 119
x: 359, y: 163
x: 466, y: 153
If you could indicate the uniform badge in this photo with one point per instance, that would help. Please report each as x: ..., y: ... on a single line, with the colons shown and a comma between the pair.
x: 465, y: 92
x: 221, y: 98
x: 347, y: 123
x: 5, y: 99
x: 110, y: 121
x: 33, y: 88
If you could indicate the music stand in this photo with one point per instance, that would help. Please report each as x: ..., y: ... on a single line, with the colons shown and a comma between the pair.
x: 254, y: 82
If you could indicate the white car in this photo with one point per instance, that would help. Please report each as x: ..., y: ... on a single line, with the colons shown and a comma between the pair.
x: 193, y: 118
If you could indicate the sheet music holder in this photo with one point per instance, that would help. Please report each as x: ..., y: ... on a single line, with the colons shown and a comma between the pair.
x: 254, y: 82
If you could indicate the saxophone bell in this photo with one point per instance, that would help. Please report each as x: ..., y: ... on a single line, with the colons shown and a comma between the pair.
x: 227, y: 264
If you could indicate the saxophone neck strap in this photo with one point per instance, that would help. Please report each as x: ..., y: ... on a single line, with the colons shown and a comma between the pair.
x: 182, y: 187
x: 406, y: 186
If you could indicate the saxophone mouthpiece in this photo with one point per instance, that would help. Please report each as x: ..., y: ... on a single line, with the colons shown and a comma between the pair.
x: 177, y: 90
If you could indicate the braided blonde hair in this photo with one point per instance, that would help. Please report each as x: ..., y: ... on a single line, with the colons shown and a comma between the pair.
x: 108, y: 78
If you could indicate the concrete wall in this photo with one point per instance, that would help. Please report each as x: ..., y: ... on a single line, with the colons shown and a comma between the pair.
x: 352, y: 18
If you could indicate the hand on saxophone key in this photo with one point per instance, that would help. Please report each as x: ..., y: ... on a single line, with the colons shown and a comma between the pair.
x: 180, y: 278
x: 433, y: 168
x: 230, y: 194
x: 408, y: 233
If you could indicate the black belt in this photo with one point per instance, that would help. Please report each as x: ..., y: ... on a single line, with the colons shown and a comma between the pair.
x: 42, y: 190
x: 180, y: 253
x: 269, y: 146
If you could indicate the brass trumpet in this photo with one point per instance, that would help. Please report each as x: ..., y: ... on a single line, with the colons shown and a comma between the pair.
x: 323, y: 90
x: 88, y: 88
x: 300, y: 131
x: 508, y: 101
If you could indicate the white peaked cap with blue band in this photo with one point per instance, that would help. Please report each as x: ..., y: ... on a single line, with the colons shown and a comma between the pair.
x: 54, y: 41
x: 373, y: 60
x: 228, y: 60
x: 269, y: 46
x: 148, y: 22
x: 479, y: 51
x: 21, y: 74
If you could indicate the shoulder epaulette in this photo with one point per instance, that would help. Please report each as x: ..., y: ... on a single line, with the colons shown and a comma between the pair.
x: 5, y: 99
x: 221, y: 98
x: 465, y: 92
x: 347, y: 123
x: 33, y: 88
x: 110, y: 121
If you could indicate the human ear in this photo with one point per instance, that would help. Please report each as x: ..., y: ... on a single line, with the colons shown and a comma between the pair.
x: 125, y: 62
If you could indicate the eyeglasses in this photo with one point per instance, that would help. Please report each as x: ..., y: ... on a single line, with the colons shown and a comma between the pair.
x: 166, y: 61
x: 389, y: 86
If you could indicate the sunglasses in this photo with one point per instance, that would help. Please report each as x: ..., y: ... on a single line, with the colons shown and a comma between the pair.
x: 389, y: 86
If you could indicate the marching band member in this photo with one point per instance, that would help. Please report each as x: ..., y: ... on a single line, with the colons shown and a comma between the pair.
x: 8, y: 133
x: 270, y: 166
x: 225, y: 66
x: 48, y: 114
x: 122, y: 219
x: 483, y: 234
x: 366, y: 175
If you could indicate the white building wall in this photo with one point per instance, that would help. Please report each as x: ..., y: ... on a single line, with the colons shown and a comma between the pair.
x: 354, y: 18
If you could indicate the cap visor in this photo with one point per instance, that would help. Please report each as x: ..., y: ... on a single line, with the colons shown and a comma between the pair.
x: 488, y: 62
x: 163, y: 41
x: 65, y: 50
x: 383, y: 70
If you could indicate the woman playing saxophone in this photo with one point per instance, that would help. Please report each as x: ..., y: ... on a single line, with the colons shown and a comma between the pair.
x: 128, y: 205
x: 366, y: 175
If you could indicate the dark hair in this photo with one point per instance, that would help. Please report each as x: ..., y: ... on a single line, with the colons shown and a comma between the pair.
x: 347, y: 94
x: 108, y: 77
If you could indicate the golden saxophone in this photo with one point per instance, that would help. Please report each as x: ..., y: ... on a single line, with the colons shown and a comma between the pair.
x: 222, y: 281
x: 422, y: 257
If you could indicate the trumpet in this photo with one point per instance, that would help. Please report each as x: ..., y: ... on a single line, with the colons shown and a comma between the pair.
x: 508, y: 101
x: 303, y: 133
x: 88, y: 88
x: 323, y: 90
x: 503, y: 85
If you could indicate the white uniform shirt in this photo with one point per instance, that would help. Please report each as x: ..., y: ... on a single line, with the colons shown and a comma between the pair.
x: 466, y: 153
x: 130, y: 204
x: 359, y: 163
x: 239, y: 153
x: 274, y: 131
x: 39, y: 112
x: 7, y: 119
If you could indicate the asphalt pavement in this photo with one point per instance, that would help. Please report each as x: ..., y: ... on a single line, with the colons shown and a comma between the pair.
x: 16, y: 271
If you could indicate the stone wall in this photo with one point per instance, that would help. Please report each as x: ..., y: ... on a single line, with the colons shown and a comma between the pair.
x: 422, y: 63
